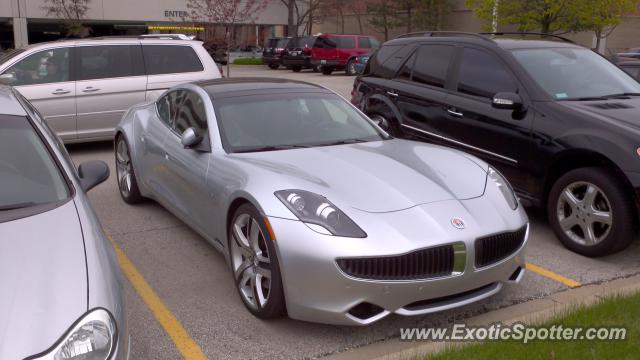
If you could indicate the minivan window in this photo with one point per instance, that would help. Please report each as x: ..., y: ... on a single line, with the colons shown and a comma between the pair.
x: 482, y: 74
x: 109, y: 61
x: 575, y: 73
x: 170, y: 59
x: 432, y: 64
x: 42, y: 67
x: 28, y: 173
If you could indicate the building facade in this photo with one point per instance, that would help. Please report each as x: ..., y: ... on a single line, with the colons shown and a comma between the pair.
x: 25, y: 21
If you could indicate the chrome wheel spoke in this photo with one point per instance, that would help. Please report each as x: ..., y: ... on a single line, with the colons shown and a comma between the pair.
x: 601, y: 217
x: 588, y: 220
x: 569, y: 222
x: 262, y: 258
x: 590, y: 196
x: 254, y: 235
x: 246, y: 264
x: 589, y: 236
x: 263, y: 272
x: 125, y: 182
x: 569, y: 198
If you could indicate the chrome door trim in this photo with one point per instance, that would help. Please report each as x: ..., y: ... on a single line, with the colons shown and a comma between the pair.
x: 461, y: 144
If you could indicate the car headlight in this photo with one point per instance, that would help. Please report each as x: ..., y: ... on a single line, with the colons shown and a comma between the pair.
x: 93, y: 337
x: 504, y: 187
x: 315, y: 209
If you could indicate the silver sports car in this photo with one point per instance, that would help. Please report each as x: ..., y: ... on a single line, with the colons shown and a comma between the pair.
x: 320, y: 213
x: 60, y: 284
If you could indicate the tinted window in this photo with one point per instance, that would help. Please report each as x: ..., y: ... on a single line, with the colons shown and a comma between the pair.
x: 282, y: 43
x: 47, y: 66
x: 28, y: 173
x: 301, y: 42
x: 163, y: 106
x: 191, y: 113
x: 482, y: 74
x: 346, y: 42
x: 364, y: 42
x: 325, y: 43
x: 405, y: 72
x: 313, y: 119
x: 111, y: 61
x: 432, y: 64
x: 170, y: 59
x: 387, y: 60
x: 271, y: 43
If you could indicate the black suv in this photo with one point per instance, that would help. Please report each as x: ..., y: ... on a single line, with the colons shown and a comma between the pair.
x: 559, y: 120
x: 297, y: 55
x: 273, y: 51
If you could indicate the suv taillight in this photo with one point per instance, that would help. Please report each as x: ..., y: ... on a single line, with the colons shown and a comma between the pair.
x: 307, y: 50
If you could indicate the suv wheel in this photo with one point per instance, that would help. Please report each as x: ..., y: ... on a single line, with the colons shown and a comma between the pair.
x: 316, y: 69
x: 591, y: 213
x: 296, y: 68
x: 381, y: 115
x: 274, y: 66
x: 351, y: 68
x: 326, y: 70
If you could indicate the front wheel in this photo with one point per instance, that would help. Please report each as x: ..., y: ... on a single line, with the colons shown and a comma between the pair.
x: 296, y: 68
x: 255, y: 264
x: 591, y: 213
x: 127, y: 182
x: 326, y: 70
x: 274, y: 66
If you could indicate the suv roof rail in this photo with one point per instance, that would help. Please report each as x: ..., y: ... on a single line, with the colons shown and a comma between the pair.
x: 503, y: 33
x: 444, y: 33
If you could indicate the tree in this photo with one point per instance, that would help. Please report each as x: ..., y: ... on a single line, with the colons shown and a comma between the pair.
x: 383, y: 16
x: 430, y: 14
x: 299, y: 12
x: 72, y: 11
x: 603, y: 16
x: 548, y: 16
x: 407, y: 9
x: 228, y: 12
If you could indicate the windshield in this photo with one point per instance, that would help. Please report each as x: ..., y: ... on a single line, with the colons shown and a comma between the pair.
x: 28, y: 173
x: 574, y: 73
x: 282, y: 121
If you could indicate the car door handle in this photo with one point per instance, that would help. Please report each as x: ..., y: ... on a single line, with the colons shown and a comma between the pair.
x: 391, y: 93
x: 90, y: 89
x: 453, y: 112
x: 60, y: 92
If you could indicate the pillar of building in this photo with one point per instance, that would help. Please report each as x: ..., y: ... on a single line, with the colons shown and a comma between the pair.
x: 20, y: 33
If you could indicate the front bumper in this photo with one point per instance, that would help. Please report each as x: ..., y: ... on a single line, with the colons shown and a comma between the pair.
x: 317, y: 290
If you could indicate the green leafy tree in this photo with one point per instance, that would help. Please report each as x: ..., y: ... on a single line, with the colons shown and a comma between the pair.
x: 602, y: 16
x: 383, y: 16
x: 548, y: 16
x: 430, y: 14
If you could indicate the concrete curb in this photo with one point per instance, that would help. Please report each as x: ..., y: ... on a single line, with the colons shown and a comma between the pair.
x: 530, y: 312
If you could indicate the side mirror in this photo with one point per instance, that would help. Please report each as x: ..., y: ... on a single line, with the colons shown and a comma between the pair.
x: 7, y: 79
x: 507, y: 101
x: 189, y: 138
x: 92, y: 173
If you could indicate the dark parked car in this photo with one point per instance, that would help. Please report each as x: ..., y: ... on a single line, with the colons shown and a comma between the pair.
x: 337, y: 51
x: 632, y: 68
x: 559, y: 120
x: 297, y: 55
x: 273, y: 51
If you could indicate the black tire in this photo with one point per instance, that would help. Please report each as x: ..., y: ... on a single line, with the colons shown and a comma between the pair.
x: 384, y: 117
x: 611, y: 197
x: 128, y: 188
x: 327, y: 70
x: 350, y: 70
x: 273, y: 66
x: 315, y: 68
x: 274, y: 305
x: 296, y: 68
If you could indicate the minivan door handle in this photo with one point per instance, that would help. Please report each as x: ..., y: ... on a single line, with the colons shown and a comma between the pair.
x: 60, y: 92
x: 391, y: 93
x: 453, y: 112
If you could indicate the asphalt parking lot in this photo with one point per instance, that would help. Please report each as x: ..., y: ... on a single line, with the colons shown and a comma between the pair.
x: 192, y: 281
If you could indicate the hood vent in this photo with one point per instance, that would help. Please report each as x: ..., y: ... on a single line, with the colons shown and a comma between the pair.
x: 611, y: 106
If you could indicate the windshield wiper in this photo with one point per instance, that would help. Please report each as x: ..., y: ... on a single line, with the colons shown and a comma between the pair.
x: 606, y: 97
x: 16, y: 206
x: 344, y: 142
x: 622, y: 95
x: 271, y: 148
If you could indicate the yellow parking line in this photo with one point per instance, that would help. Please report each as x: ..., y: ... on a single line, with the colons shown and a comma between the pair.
x: 185, y: 344
x: 553, y: 276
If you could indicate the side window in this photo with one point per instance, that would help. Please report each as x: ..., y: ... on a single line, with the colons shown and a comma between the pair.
x: 433, y: 64
x: 481, y: 74
x: 108, y: 61
x: 163, y: 106
x: 191, y: 113
x: 346, y: 42
x: 405, y: 71
x: 364, y: 42
x: 324, y: 42
x: 386, y: 61
x: 170, y: 59
x: 47, y: 66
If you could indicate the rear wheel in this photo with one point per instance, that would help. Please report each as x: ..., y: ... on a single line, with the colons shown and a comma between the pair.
x: 273, y: 66
x: 255, y: 264
x: 384, y: 118
x: 351, y: 68
x: 296, y: 68
x: 315, y: 68
x: 326, y: 70
x: 591, y: 213
x: 127, y: 182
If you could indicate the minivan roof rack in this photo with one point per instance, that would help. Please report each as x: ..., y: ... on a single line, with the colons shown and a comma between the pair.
x: 444, y: 33
x: 520, y: 33
x: 142, y: 37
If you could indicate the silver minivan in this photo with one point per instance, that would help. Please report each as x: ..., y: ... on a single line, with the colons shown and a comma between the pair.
x: 83, y: 87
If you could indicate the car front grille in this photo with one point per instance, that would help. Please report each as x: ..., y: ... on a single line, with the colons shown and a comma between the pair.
x: 493, y: 248
x: 421, y: 264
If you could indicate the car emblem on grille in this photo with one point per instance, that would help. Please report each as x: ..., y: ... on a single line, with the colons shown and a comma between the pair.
x: 457, y: 223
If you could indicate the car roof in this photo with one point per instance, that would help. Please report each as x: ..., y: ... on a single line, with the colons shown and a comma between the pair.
x: 9, y: 105
x: 504, y: 43
x: 226, y: 87
x: 110, y: 40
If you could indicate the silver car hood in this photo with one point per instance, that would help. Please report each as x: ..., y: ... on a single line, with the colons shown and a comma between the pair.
x: 379, y: 176
x: 43, y: 280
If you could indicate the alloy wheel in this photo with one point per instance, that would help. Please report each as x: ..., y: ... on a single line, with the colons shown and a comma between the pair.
x: 123, y: 168
x: 584, y: 213
x: 250, y: 260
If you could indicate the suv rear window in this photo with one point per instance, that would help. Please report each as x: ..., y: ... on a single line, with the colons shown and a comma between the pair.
x: 432, y: 64
x: 170, y: 59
